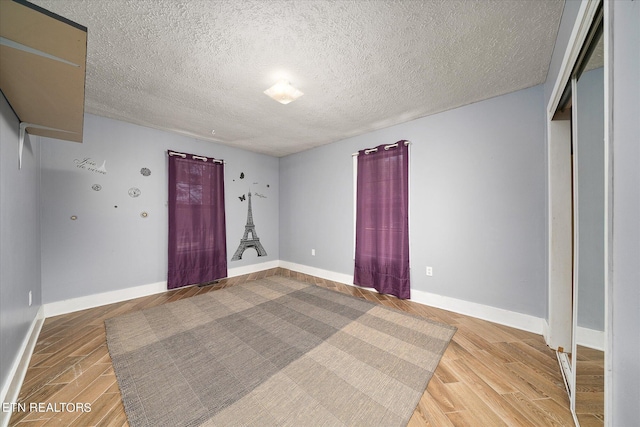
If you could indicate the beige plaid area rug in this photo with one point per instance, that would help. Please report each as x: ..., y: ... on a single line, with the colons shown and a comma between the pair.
x: 273, y: 352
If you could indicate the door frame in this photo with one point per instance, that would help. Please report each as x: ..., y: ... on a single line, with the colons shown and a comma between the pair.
x: 559, y: 330
x: 558, y: 333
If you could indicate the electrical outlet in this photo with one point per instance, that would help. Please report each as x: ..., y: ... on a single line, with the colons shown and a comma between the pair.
x: 313, y: 252
x: 30, y: 299
x: 429, y: 271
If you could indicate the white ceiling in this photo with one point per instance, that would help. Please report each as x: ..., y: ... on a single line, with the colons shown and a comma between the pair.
x: 193, y: 66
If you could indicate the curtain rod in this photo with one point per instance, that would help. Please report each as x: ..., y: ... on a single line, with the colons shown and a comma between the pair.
x: 386, y: 147
x: 194, y: 157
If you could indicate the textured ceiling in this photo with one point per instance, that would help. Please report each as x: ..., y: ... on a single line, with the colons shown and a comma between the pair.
x: 596, y: 60
x: 196, y: 66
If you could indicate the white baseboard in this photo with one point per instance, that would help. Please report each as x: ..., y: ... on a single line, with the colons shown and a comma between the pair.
x: 590, y: 338
x: 584, y: 336
x: 318, y: 272
x: 501, y: 316
x: 493, y: 314
x: 485, y: 312
x: 481, y: 311
x: 13, y: 382
x: 253, y: 268
x: 545, y: 332
x: 90, y: 301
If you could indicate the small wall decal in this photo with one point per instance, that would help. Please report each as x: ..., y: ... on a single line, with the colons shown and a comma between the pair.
x: 260, y: 195
x: 267, y: 185
x: 103, y: 168
x: 241, y: 175
x: 145, y: 171
x: 144, y: 214
x: 134, y: 192
x: 74, y: 217
x: 89, y: 164
x: 242, y: 198
x: 96, y: 187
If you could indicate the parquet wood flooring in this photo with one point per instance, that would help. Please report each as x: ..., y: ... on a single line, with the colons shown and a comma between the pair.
x: 490, y: 375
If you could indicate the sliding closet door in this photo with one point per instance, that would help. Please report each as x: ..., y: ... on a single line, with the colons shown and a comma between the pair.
x: 583, y: 98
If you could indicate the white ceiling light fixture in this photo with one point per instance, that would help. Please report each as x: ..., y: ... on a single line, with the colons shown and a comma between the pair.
x: 283, y: 92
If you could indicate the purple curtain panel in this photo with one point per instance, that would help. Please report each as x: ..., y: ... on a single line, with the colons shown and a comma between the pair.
x: 197, y: 232
x: 382, y: 220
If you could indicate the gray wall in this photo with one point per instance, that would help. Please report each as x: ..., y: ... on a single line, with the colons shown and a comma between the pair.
x: 477, y: 202
x: 19, y: 239
x: 590, y: 190
x: 625, y: 303
x: 109, y: 248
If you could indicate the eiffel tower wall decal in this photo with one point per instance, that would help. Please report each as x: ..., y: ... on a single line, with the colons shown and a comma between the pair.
x: 250, y: 239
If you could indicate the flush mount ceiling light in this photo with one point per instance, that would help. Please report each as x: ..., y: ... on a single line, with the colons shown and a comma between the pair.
x: 283, y: 92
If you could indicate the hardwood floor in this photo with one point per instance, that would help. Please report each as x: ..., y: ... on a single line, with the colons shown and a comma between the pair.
x: 490, y: 375
x: 590, y: 387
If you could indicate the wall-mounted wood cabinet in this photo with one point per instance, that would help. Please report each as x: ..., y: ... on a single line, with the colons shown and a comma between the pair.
x: 42, y: 69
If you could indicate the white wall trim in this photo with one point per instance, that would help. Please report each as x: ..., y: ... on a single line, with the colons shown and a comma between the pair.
x: 90, y: 301
x: 608, y: 211
x: 501, y: 316
x: 545, y: 332
x: 591, y: 338
x: 253, y: 268
x: 96, y: 300
x: 13, y: 383
x: 493, y: 314
x: 347, y: 279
